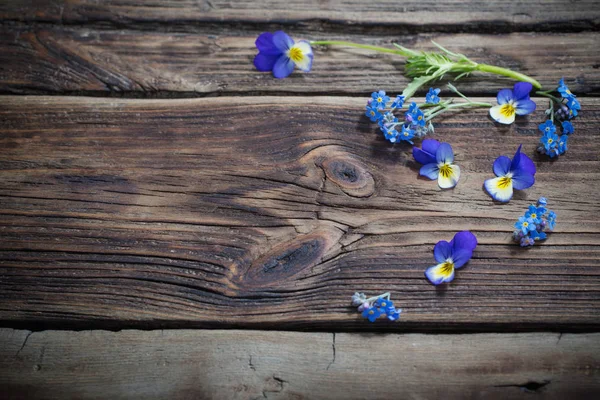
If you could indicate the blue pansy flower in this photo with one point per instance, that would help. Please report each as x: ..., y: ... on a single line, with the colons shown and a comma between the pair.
x: 432, y: 96
x: 371, y: 313
x: 513, y: 102
x: 437, y: 161
x: 535, y: 213
x: 450, y: 256
x: 407, y: 134
x: 563, y: 89
x: 547, y: 127
x: 517, y: 173
x: 373, y: 114
x: 567, y: 128
x: 525, y: 224
x: 379, y: 99
x: 551, y: 219
x: 277, y: 52
x: 398, y: 102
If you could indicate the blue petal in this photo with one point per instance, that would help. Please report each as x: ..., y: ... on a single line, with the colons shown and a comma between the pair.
x: 265, y: 62
x: 442, y: 251
x: 444, y: 154
x: 524, y: 167
x: 522, y: 181
x: 524, y: 107
x: 430, y: 145
x: 461, y: 257
x: 282, y: 41
x: 521, y: 90
x: 283, y: 67
x: 264, y: 44
x: 501, y: 166
x: 504, y: 96
x: 516, y: 159
x: 423, y: 157
x: 464, y: 240
x: 431, y: 171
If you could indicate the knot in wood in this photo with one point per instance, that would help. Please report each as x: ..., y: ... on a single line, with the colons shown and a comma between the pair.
x: 350, y: 175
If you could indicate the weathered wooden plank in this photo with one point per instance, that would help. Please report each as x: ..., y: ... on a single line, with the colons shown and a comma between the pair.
x: 416, y: 14
x: 185, y: 364
x: 271, y: 212
x: 92, y: 61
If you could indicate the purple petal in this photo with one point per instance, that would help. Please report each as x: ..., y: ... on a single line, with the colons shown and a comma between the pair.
x: 516, y: 159
x: 283, y: 67
x: 430, y: 145
x: 442, y: 251
x: 522, y: 181
x: 525, y: 107
x: 501, y: 166
x: 264, y: 44
x: 431, y: 171
x: 464, y: 240
x: 444, y: 154
x: 265, y: 62
x: 282, y: 41
x: 525, y: 166
x: 423, y: 157
x: 521, y: 90
x: 504, y: 96
x: 461, y: 257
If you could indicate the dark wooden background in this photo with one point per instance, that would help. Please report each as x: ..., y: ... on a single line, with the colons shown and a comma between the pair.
x: 151, y: 179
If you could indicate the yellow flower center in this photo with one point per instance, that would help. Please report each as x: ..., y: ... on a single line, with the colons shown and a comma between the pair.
x: 371, y: 312
x: 296, y: 54
x: 504, y: 182
x: 507, y: 110
x: 534, y: 216
x: 379, y: 100
x: 525, y: 224
x: 419, y: 117
x: 405, y: 133
x: 447, y: 268
x: 550, y: 140
x: 446, y: 170
x: 372, y: 113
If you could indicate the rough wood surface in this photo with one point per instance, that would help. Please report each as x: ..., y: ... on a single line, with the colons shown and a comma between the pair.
x: 91, y: 61
x: 270, y: 212
x: 414, y: 14
x: 287, y: 365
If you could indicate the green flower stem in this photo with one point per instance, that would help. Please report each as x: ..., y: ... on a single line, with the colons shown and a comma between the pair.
x: 464, y: 66
x: 403, y: 53
x: 509, y: 73
x: 458, y: 105
x: 381, y: 296
x: 545, y: 94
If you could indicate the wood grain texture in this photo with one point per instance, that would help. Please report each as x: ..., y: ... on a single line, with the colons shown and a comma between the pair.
x: 185, y: 364
x: 65, y: 60
x: 416, y: 14
x: 270, y: 212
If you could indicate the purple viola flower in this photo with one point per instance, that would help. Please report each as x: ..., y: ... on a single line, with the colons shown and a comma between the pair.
x: 518, y: 173
x: 277, y: 52
x: 513, y: 102
x: 450, y: 256
x: 437, y: 159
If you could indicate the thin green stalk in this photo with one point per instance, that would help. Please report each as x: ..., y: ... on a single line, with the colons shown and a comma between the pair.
x: 362, y: 46
x: 458, y: 105
x: 545, y: 94
x: 509, y: 73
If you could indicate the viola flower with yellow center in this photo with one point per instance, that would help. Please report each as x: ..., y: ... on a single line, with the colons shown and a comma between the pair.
x: 451, y: 256
x: 277, y: 52
x: 513, y: 102
x: 517, y: 173
x: 437, y: 161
